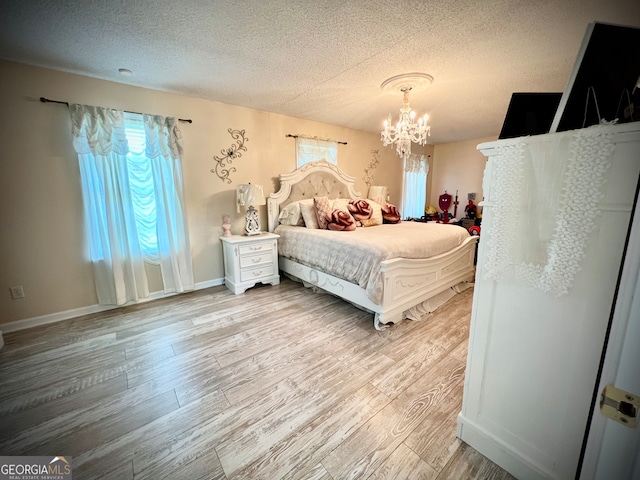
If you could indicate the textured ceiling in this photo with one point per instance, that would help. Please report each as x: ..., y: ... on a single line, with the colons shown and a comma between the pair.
x: 320, y: 60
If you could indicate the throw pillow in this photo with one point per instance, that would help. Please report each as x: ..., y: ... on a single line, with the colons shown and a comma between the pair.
x: 323, y: 211
x: 309, y: 215
x: 376, y: 215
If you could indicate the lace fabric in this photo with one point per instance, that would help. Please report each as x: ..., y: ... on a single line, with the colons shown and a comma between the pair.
x: 539, y: 194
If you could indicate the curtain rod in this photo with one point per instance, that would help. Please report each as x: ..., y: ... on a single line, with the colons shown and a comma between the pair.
x: 46, y: 100
x: 314, y: 138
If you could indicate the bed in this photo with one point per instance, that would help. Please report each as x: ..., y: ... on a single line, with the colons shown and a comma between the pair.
x: 394, y: 287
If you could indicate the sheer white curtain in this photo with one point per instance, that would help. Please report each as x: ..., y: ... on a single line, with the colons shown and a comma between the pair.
x: 118, y: 262
x: 314, y: 149
x: 164, y: 149
x: 414, y: 187
x: 99, y: 138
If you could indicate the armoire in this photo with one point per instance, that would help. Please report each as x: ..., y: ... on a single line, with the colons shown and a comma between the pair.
x: 556, y: 214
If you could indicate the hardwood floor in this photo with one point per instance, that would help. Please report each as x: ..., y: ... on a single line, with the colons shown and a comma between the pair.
x: 279, y: 382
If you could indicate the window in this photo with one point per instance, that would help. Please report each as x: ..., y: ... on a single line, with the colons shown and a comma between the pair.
x: 313, y: 149
x: 142, y: 186
x: 414, y: 186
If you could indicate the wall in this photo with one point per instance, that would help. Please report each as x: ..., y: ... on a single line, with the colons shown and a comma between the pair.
x: 457, y: 166
x: 42, y: 245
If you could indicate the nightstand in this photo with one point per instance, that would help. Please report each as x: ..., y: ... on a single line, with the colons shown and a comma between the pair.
x: 249, y: 260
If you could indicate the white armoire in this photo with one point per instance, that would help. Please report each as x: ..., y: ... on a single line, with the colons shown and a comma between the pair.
x: 556, y: 213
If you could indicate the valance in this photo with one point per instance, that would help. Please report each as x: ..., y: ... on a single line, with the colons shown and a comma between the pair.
x: 416, y: 164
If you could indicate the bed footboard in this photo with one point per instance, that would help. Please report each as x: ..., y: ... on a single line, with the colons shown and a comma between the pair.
x: 407, y: 282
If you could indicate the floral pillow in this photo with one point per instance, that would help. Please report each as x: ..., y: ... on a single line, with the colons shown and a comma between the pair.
x: 341, y: 221
x: 390, y: 214
x: 360, y: 209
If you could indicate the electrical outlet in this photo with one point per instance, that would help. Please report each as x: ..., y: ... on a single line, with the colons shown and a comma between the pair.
x: 16, y: 292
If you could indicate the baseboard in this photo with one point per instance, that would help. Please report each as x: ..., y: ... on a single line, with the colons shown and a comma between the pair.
x: 77, y: 312
x: 216, y: 282
x: 503, y: 455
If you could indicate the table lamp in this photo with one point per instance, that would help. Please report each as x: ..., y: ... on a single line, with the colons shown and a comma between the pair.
x: 248, y: 195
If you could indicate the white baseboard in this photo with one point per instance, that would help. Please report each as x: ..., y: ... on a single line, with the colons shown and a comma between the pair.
x: 503, y: 455
x: 77, y: 312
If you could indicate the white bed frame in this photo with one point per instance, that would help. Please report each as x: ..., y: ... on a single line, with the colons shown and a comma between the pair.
x: 406, y: 282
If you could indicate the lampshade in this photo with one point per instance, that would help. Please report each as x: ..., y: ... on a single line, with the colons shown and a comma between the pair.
x: 250, y: 194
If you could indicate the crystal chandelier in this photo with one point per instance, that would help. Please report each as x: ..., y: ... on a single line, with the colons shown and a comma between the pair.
x: 406, y: 130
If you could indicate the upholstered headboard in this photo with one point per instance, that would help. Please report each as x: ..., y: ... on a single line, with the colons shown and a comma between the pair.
x: 314, y: 179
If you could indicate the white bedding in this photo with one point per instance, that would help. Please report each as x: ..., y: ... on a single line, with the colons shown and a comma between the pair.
x: 355, y: 256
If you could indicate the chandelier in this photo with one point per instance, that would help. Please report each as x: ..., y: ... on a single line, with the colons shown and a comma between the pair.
x: 406, y: 130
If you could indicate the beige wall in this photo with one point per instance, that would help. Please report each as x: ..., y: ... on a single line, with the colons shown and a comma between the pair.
x: 42, y: 245
x: 457, y: 166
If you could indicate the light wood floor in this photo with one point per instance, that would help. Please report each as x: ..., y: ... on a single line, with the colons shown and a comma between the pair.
x: 276, y: 383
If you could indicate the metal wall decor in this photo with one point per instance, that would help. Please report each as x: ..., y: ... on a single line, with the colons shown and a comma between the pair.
x: 229, y: 154
x: 368, y: 172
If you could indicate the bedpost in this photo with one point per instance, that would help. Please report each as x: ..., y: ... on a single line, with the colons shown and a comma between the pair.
x: 272, y: 213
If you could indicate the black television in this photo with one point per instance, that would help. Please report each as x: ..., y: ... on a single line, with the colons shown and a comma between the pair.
x: 602, y: 85
x: 529, y: 114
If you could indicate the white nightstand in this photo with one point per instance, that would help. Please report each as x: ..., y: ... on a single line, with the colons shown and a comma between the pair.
x: 249, y: 260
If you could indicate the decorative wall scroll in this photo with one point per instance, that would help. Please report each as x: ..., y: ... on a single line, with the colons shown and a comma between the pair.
x: 229, y: 154
x: 368, y: 172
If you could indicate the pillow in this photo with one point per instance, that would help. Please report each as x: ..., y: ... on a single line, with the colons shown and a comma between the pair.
x: 341, y: 221
x: 309, y: 215
x: 323, y: 211
x: 390, y: 214
x: 292, y: 214
x: 379, y: 194
x: 360, y: 209
x: 376, y: 215
x: 340, y: 204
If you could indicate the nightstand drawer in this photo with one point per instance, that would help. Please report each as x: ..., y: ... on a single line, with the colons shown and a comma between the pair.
x: 250, y: 261
x: 250, y: 274
x: 255, y: 248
